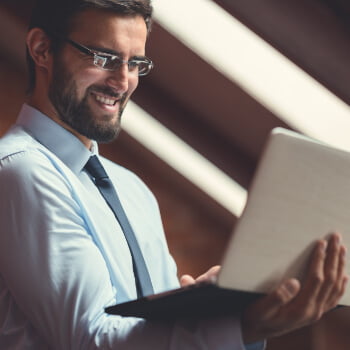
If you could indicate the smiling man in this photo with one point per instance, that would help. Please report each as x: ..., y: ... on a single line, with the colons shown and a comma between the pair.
x: 67, y: 250
x: 87, y: 99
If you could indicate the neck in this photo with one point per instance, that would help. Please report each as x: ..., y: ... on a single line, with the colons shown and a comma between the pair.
x: 45, y: 106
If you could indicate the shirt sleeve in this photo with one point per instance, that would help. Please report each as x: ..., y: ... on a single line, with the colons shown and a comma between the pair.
x: 58, y: 280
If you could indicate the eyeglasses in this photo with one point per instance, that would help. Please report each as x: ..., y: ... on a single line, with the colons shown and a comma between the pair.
x: 140, y: 65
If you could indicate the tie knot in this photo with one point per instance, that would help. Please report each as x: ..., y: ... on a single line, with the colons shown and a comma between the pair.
x: 96, y: 169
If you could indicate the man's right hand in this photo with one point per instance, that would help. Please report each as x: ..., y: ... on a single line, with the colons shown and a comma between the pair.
x: 293, y: 305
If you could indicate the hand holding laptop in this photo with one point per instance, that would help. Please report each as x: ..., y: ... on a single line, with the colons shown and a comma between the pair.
x: 293, y: 304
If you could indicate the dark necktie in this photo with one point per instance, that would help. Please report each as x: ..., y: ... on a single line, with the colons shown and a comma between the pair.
x: 105, y: 186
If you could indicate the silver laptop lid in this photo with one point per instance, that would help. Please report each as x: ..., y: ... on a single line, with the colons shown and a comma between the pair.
x: 300, y: 193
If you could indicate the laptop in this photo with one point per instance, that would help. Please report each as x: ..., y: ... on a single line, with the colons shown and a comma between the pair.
x: 300, y: 193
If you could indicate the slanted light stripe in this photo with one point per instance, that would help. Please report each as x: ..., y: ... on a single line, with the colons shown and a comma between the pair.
x: 184, y: 159
x: 257, y: 67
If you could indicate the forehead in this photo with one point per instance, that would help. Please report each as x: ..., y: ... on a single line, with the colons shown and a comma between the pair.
x: 109, y: 28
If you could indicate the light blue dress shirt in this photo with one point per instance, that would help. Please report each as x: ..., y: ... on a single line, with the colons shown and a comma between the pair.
x: 64, y: 258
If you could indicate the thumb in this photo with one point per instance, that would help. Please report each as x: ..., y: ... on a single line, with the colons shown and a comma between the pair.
x: 272, y: 302
x: 282, y: 295
x: 285, y: 292
x: 261, y: 313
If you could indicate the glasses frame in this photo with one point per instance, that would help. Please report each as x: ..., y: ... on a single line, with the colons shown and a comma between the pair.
x: 101, y: 58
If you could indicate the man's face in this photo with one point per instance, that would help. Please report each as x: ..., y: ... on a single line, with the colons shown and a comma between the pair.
x: 87, y: 99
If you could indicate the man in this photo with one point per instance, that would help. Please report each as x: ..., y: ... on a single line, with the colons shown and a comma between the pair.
x: 63, y: 254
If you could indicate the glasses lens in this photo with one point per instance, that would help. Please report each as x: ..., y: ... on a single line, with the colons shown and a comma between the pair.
x: 144, y: 67
x: 112, y: 63
x: 140, y: 67
x: 100, y: 61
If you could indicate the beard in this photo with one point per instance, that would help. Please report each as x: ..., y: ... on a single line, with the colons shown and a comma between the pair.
x: 77, y: 113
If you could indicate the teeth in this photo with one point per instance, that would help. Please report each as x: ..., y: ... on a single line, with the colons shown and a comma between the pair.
x: 105, y: 100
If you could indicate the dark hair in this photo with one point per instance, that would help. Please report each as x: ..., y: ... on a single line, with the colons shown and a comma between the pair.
x: 55, y: 17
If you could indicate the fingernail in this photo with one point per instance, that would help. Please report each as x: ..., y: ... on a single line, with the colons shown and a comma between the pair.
x: 336, y: 239
x: 291, y: 286
x: 324, y: 245
x: 344, y: 250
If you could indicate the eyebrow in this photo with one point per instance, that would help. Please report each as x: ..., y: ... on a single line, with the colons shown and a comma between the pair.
x: 114, y: 53
x: 104, y: 50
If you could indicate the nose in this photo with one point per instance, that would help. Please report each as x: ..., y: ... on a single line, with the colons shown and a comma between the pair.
x: 119, y: 78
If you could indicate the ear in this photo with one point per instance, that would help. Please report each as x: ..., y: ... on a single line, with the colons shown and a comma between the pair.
x: 39, y: 44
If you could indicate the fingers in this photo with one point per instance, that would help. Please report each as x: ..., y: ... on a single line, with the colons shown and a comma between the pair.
x: 262, y: 318
x: 333, y: 270
x: 291, y: 305
x: 287, y: 291
x: 333, y: 300
x: 187, y: 280
x: 334, y: 293
x: 209, y: 276
x: 315, y: 273
x: 324, y: 283
x: 282, y: 295
x: 326, y: 278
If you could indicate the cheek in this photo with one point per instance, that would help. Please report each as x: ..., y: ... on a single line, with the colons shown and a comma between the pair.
x: 133, y: 83
x: 86, y: 78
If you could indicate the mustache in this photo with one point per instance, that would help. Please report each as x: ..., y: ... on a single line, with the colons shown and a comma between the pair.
x: 106, y: 91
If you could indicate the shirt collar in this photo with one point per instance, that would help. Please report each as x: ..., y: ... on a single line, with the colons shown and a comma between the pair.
x: 55, y: 138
